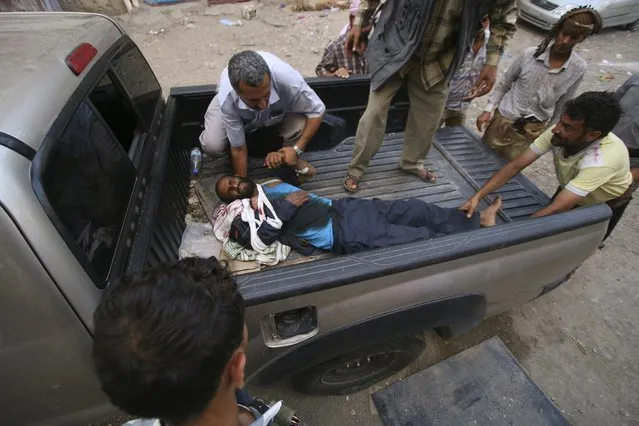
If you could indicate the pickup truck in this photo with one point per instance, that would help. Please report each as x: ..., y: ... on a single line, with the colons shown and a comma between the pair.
x: 95, y: 181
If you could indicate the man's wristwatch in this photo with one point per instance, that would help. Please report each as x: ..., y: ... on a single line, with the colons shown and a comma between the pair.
x: 297, y: 149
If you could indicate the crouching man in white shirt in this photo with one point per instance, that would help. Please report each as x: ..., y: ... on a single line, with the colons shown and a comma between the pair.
x: 257, y: 90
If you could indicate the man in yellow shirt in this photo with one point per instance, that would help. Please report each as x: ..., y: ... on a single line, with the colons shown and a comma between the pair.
x: 592, y: 164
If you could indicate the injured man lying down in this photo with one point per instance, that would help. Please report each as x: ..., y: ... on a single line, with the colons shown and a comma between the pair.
x: 276, y: 213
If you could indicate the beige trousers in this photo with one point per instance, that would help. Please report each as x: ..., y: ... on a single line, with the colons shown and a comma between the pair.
x: 426, y: 108
x: 502, y: 138
x: 453, y: 118
x: 214, y: 141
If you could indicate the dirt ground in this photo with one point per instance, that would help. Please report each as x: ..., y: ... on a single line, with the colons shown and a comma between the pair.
x: 580, y: 343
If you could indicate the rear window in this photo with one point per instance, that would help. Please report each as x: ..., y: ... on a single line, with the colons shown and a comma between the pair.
x: 88, y: 179
x: 85, y: 174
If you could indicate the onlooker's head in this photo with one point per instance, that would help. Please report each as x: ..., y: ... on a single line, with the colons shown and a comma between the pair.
x: 230, y: 188
x: 170, y: 341
x: 589, y: 117
x: 572, y: 28
x: 250, y: 76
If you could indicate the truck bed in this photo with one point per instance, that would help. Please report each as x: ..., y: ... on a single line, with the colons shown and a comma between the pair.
x: 462, y: 162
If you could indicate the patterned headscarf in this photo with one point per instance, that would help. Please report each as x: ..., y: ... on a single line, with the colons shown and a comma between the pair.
x: 582, y: 21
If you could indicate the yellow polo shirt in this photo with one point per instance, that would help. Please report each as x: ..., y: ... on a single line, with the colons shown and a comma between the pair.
x: 598, y: 173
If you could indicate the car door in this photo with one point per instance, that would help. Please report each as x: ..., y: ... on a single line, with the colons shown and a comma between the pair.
x: 619, y: 12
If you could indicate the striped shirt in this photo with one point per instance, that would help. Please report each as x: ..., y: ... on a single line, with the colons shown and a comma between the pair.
x: 530, y: 86
x: 462, y: 83
x: 437, y: 51
x: 335, y: 58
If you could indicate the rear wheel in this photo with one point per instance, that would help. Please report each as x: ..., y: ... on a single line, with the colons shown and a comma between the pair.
x: 359, y: 369
x: 634, y: 26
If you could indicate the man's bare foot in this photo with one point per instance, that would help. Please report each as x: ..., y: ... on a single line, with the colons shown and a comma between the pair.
x: 488, y: 217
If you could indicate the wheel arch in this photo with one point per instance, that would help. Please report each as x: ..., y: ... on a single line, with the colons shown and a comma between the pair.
x: 449, y: 317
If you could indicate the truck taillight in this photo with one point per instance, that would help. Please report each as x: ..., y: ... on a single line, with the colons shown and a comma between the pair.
x: 81, y: 56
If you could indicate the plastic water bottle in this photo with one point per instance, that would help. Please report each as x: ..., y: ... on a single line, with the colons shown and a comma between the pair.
x: 196, y: 161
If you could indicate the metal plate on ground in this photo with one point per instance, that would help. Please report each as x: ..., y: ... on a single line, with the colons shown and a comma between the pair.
x: 483, y: 385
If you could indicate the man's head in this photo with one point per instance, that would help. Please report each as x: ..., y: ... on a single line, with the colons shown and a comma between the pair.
x: 585, y: 119
x: 572, y: 28
x: 231, y: 188
x: 170, y: 340
x: 250, y: 76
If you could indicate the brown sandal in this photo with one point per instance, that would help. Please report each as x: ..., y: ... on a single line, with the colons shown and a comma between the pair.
x: 355, y: 182
x: 307, y: 172
x: 430, y: 176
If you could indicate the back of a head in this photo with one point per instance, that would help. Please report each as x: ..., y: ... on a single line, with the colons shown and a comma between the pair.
x: 247, y: 66
x: 162, y: 339
x: 600, y: 111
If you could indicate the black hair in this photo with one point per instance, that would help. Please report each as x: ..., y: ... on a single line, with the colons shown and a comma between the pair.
x: 600, y: 111
x: 162, y: 339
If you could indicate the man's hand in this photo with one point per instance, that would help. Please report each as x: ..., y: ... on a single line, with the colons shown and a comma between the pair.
x: 486, y: 81
x: 297, y: 198
x: 274, y: 160
x: 342, y: 73
x: 290, y: 156
x: 483, y: 120
x: 470, y: 206
x: 353, y: 42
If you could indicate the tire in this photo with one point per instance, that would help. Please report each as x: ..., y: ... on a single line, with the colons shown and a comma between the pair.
x: 359, y: 369
x: 634, y: 26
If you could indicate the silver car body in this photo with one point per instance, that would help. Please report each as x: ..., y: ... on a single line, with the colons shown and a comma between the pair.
x: 544, y: 13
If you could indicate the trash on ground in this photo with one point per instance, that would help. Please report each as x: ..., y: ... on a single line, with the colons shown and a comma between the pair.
x: 199, y: 240
x: 315, y: 5
x: 249, y: 12
x: 230, y: 23
x: 606, y: 77
x: 156, y: 32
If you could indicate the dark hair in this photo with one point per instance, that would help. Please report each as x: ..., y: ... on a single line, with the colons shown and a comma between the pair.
x: 222, y: 198
x: 162, y: 339
x: 584, y: 15
x: 599, y: 110
x: 247, y: 66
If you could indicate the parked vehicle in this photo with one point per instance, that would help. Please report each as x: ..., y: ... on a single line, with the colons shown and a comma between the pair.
x: 95, y: 169
x: 614, y: 13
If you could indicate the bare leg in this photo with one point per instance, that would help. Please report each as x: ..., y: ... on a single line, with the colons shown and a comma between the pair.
x: 488, y: 217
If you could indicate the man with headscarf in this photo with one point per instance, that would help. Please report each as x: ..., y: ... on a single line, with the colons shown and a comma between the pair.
x: 335, y: 61
x: 532, y: 94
